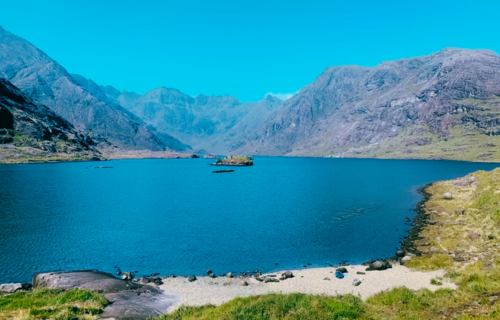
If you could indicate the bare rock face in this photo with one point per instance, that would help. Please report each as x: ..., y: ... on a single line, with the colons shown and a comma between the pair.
x: 29, y: 129
x: 349, y: 108
x: 127, y: 300
x: 43, y: 79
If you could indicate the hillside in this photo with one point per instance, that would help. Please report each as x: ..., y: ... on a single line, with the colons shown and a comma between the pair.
x: 442, y: 106
x: 43, y: 79
x: 29, y: 131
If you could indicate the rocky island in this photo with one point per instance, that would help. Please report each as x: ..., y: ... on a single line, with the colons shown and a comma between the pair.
x: 233, y: 161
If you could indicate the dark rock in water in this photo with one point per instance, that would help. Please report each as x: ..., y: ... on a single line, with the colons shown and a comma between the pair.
x: 271, y: 280
x: 103, y: 167
x: 407, y: 219
x: 209, y: 272
x: 212, y: 275
x: 172, y: 276
x: 14, y: 287
x: 127, y: 300
x: 244, y: 283
x: 191, y: 278
x: 194, y: 156
x: 222, y: 171
x: 400, y: 253
x: 118, y: 272
x: 308, y: 263
x: 343, y: 270
x: 127, y: 276
x: 379, y: 265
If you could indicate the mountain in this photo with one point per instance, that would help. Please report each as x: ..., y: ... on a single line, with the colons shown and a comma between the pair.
x: 30, y: 130
x: 43, y: 79
x: 442, y: 106
x: 107, y: 94
x: 213, y: 123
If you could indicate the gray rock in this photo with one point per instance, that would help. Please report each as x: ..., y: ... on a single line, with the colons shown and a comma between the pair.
x: 244, y: 284
x: 128, y: 276
x: 474, y: 235
x: 14, y: 287
x: 127, y: 300
x: 447, y: 196
x: 287, y: 274
x: 266, y: 280
x: 405, y: 259
x: 212, y: 275
x: 356, y: 282
x: 328, y: 279
x: 192, y: 278
x: 229, y: 274
x: 379, y: 265
x: 400, y: 253
x: 342, y: 269
x: 433, y: 250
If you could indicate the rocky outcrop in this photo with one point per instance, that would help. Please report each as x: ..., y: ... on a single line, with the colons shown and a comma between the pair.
x: 128, y: 300
x: 29, y: 129
x: 41, y: 78
x: 352, y: 110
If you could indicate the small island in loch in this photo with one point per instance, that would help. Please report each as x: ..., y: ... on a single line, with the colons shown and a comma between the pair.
x: 233, y: 161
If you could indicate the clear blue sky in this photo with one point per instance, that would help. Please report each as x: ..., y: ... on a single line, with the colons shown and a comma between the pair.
x: 242, y: 48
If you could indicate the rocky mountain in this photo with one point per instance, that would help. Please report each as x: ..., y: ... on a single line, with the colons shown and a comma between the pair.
x: 31, y: 131
x: 43, y: 79
x: 107, y: 94
x: 445, y: 105
x: 212, y: 123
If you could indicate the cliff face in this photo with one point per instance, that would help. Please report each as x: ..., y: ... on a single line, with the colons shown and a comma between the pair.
x: 396, y: 109
x: 30, y: 130
x: 43, y: 79
x: 213, y: 123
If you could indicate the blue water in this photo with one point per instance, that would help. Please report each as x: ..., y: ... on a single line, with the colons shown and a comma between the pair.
x: 176, y: 216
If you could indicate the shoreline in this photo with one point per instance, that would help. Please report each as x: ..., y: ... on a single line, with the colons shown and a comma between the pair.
x: 319, y: 281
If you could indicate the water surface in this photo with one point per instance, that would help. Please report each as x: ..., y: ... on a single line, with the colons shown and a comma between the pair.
x: 176, y: 216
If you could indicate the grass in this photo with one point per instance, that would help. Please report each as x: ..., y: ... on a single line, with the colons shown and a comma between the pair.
x: 235, y: 160
x: 278, y: 306
x: 51, y: 304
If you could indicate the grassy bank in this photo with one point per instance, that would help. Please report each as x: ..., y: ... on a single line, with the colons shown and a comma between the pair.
x: 51, y: 304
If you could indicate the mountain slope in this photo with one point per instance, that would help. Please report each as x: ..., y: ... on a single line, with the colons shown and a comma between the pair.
x: 108, y: 95
x: 42, y: 78
x: 31, y: 131
x: 213, y: 123
x: 444, y: 105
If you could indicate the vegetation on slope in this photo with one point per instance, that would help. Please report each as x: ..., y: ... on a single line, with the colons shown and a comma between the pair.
x: 51, y: 304
x: 234, y: 161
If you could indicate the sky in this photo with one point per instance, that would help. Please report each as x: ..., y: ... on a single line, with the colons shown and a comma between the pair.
x: 246, y: 49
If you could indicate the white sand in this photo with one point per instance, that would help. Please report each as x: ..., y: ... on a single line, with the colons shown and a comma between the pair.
x: 222, y: 289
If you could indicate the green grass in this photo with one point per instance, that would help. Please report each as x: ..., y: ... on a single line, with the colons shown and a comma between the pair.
x: 278, y: 306
x: 51, y: 304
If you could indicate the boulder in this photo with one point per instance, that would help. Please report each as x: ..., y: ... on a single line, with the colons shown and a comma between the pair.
x: 244, y: 284
x: 131, y: 301
x: 433, y: 250
x: 118, y: 272
x: 327, y: 279
x: 191, y: 278
x: 287, y: 275
x: 460, y: 211
x: 212, y: 275
x: 209, y: 272
x: 400, y: 253
x: 405, y: 259
x: 474, y: 235
x: 447, y: 196
x: 127, y: 276
x: 379, y: 265
x: 343, y: 270
x: 14, y: 287
x: 356, y: 282
x: 271, y: 280
x: 229, y: 274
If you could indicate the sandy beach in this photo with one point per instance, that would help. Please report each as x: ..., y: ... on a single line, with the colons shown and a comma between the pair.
x: 216, y: 291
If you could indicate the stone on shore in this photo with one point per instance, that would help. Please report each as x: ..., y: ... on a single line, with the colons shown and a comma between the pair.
x: 271, y: 280
x: 191, y: 278
x: 127, y: 276
x: 379, y: 265
x: 447, y: 196
x: 405, y: 259
x: 14, y: 287
x: 356, y: 282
